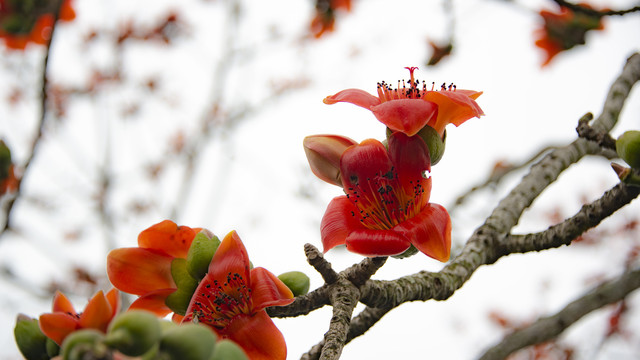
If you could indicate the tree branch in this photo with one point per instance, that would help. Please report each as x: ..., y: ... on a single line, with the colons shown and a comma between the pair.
x: 589, y: 216
x: 547, y: 328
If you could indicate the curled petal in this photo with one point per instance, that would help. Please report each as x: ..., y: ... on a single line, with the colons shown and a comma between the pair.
x: 323, y: 153
x: 268, y: 290
x: 354, y: 96
x: 154, y: 302
x: 167, y: 237
x: 429, y: 231
x: 338, y: 221
x: 377, y: 242
x: 139, y: 271
x: 454, y: 107
x: 258, y: 336
x: 56, y: 326
x: 230, y: 257
x: 97, y: 314
x: 406, y: 115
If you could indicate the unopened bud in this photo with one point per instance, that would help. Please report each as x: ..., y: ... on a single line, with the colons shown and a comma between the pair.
x: 296, y: 281
x: 628, y: 148
x: 83, y: 344
x: 188, y: 342
x: 134, y: 332
x: 228, y: 350
x: 323, y: 153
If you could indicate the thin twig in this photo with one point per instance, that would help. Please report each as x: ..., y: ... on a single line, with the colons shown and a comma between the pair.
x: 547, y: 328
x: 41, y: 121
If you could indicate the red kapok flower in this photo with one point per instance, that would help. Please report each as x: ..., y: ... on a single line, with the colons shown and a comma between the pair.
x: 231, y: 299
x: 564, y: 30
x: 64, y: 319
x: 146, y: 270
x: 409, y: 109
x: 387, y: 209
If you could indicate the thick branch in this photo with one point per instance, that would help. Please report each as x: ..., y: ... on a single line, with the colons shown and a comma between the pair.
x: 344, y: 299
x: 547, y: 328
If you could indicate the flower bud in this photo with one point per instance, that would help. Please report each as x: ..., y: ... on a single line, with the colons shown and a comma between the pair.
x: 296, y: 281
x: 202, y: 248
x: 81, y: 344
x: 628, y: 148
x: 133, y: 333
x: 178, y: 301
x: 188, y: 342
x: 31, y: 342
x: 228, y: 350
x: 323, y: 153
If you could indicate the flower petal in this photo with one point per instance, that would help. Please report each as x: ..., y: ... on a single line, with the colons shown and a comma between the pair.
x: 258, y: 336
x: 268, y: 290
x: 410, y: 157
x: 62, y: 304
x: 139, y: 271
x: 338, y: 221
x: 113, y: 297
x: 354, y: 96
x: 429, y: 231
x: 366, y: 160
x: 323, y: 153
x: 168, y: 238
x: 154, y: 302
x: 56, y: 326
x: 377, y: 242
x: 406, y: 115
x: 230, y: 257
x: 97, y: 314
x: 454, y: 107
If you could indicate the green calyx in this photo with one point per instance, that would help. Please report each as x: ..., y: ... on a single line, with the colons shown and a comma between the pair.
x: 32, y: 343
x: 412, y: 250
x: 134, y: 332
x: 298, y: 282
x: 178, y: 301
x: 201, y: 252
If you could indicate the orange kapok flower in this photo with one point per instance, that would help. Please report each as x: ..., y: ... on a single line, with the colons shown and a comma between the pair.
x: 231, y: 299
x: 22, y: 22
x: 325, y: 18
x: 64, y: 319
x: 564, y: 30
x: 146, y: 270
x: 386, y: 209
x: 408, y: 109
